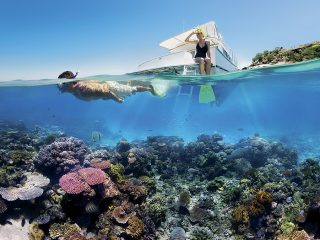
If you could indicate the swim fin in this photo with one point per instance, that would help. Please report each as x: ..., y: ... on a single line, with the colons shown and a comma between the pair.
x: 206, y: 94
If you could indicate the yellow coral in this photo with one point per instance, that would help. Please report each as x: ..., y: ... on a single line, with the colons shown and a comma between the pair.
x: 116, y: 171
x: 256, y: 208
x: 35, y: 233
x: 135, y: 227
x: 57, y: 230
x: 241, y: 214
x: 263, y: 197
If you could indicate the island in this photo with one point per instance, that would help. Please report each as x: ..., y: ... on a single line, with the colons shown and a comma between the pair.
x: 281, y: 55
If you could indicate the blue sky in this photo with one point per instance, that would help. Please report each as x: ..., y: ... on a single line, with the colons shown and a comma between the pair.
x: 41, y: 38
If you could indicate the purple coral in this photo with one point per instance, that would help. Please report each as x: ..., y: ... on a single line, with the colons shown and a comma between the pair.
x: 72, y: 183
x: 61, y: 156
x: 92, y: 176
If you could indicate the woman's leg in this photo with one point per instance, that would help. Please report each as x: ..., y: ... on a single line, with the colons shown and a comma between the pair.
x: 208, y: 66
x: 201, y: 64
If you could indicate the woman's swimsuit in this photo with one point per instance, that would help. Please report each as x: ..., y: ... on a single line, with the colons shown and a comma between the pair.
x: 201, y: 51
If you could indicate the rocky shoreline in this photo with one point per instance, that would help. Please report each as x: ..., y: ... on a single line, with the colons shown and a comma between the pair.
x: 281, y: 55
x: 159, y: 188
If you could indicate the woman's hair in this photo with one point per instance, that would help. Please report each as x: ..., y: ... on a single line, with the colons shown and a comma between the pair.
x: 200, y: 30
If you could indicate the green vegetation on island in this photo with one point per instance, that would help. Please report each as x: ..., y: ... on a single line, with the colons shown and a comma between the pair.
x: 303, y: 52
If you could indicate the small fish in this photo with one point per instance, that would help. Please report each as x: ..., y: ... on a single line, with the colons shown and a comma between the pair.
x: 150, y: 130
x: 240, y: 129
x: 23, y: 222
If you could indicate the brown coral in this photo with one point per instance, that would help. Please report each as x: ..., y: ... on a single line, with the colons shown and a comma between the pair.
x: 35, y: 233
x: 59, y: 230
x: 264, y: 197
x: 241, y: 214
x: 120, y: 215
x: 110, y: 190
x: 135, y: 227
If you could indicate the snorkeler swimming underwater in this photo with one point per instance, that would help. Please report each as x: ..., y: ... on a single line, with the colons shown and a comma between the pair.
x: 92, y: 89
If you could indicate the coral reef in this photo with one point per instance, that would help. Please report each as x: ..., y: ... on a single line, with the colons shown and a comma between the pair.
x: 158, y: 188
x: 61, y: 156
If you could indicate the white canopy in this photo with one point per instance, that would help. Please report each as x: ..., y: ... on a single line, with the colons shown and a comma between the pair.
x: 177, y: 43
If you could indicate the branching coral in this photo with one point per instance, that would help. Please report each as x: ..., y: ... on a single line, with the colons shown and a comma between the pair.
x: 61, y: 230
x: 35, y: 233
x: 135, y: 227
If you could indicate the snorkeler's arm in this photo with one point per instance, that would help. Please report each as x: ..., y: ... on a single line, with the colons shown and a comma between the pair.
x: 188, y: 38
x: 208, y: 52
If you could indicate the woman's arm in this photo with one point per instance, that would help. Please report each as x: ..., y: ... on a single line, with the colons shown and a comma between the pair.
x: 208, y: 52
x: 187, y: 39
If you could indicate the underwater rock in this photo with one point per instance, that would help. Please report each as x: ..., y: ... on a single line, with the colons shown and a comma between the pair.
x: 61, y: 156
x: 178, y: 233
x: 42, y: 219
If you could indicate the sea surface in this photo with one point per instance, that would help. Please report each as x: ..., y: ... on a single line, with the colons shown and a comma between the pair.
x: 222, y: 157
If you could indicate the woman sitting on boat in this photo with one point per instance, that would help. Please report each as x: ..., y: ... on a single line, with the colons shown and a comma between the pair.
x: 202, y: 56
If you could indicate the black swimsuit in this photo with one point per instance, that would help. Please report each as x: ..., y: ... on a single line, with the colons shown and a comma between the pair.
x: 201, y: 51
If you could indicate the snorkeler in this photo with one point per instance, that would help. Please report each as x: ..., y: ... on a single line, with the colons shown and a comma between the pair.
x: 202, y: 56
x: 92, y: 89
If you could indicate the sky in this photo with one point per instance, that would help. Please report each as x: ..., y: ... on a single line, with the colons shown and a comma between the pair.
x: 42, y: 38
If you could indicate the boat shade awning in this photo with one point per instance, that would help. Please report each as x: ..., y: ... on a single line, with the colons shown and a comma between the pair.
x: 178, y: 41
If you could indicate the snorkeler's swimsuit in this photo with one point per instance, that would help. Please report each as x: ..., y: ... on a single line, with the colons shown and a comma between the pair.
x: 201, y: 51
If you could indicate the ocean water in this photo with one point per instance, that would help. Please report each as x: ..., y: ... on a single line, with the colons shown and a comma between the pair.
x: 277, y: 103
x: 172, y: 167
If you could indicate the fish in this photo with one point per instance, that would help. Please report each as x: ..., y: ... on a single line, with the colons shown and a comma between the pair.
x: 23, y: 222
x: 96, y: 136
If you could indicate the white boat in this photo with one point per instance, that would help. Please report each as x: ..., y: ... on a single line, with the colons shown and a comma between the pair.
x: 180, y: 58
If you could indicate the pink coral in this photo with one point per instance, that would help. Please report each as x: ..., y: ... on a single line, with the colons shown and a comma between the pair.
x: 92, y: 176
x: 72, y: 183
